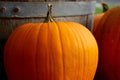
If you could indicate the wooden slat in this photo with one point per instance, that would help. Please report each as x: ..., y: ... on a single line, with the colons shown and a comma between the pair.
x: 8, y: 25
x: 39, y: 9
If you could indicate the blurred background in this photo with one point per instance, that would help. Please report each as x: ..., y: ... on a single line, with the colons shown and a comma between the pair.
x: 110, y: 3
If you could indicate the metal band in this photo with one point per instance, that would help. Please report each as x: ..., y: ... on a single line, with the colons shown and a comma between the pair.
x: 39, y: 9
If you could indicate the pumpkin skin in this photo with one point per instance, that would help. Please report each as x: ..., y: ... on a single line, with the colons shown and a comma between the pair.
x: 97, y: 19
x: 51, y: 51
x: 107, y: 35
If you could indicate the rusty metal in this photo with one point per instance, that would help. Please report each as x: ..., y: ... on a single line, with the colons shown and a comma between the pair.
x: 16, y: 10
x: 2, y: 9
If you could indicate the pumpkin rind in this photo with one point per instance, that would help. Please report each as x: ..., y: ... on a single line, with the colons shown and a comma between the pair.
x: 107, y: 35
x: 97, y: 19
x: 51, y: 51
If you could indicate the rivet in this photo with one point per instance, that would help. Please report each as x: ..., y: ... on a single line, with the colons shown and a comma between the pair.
x: 3, y: 9
x: 16, y: 9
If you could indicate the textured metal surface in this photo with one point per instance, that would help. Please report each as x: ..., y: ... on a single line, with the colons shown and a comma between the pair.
x: 39, y: 9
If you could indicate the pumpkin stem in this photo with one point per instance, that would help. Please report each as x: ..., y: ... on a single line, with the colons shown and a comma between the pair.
x: 49, y: 18
x: 104, y: 5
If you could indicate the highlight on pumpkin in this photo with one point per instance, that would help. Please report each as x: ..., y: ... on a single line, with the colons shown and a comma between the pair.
x: 51, y: 51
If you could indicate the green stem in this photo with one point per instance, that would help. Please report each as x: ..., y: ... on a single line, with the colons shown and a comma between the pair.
x: 105, y: 7
x: 49, y: 17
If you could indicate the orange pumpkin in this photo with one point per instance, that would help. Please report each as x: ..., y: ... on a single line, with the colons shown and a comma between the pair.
x: 98, y: 17
x: 107, y: 35
x: 51, y: 51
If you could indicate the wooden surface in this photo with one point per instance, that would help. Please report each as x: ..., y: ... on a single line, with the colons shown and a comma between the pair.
x: 8, y: 25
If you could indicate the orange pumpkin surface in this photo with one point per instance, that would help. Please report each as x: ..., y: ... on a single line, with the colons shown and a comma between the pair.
x: 97, y: 19
x: 51, y: 51
x: 107, y: 35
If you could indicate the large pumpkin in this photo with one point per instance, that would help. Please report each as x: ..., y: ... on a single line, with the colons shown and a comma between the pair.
x: 107, y: 35
x: 98, y: 17
x: 51, y: 51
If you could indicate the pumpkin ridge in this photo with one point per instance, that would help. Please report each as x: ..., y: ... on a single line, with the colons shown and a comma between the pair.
x: 73, y: 31
x: 83, y: 34
x: 82, y: 40
x: 76, y: 36
x: 36, y: 55
x: 18, y: 33
x: 26, y: 33
x: 51, y: 57
x: 55, y: 30
x: 47, y: 49
x: 117, y: 50
x: 47, y: 62
x: 57, y: 23
x: 100, y: 24
x: 27, y: 37
x: 115, y: 70
x: 83, y: 46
